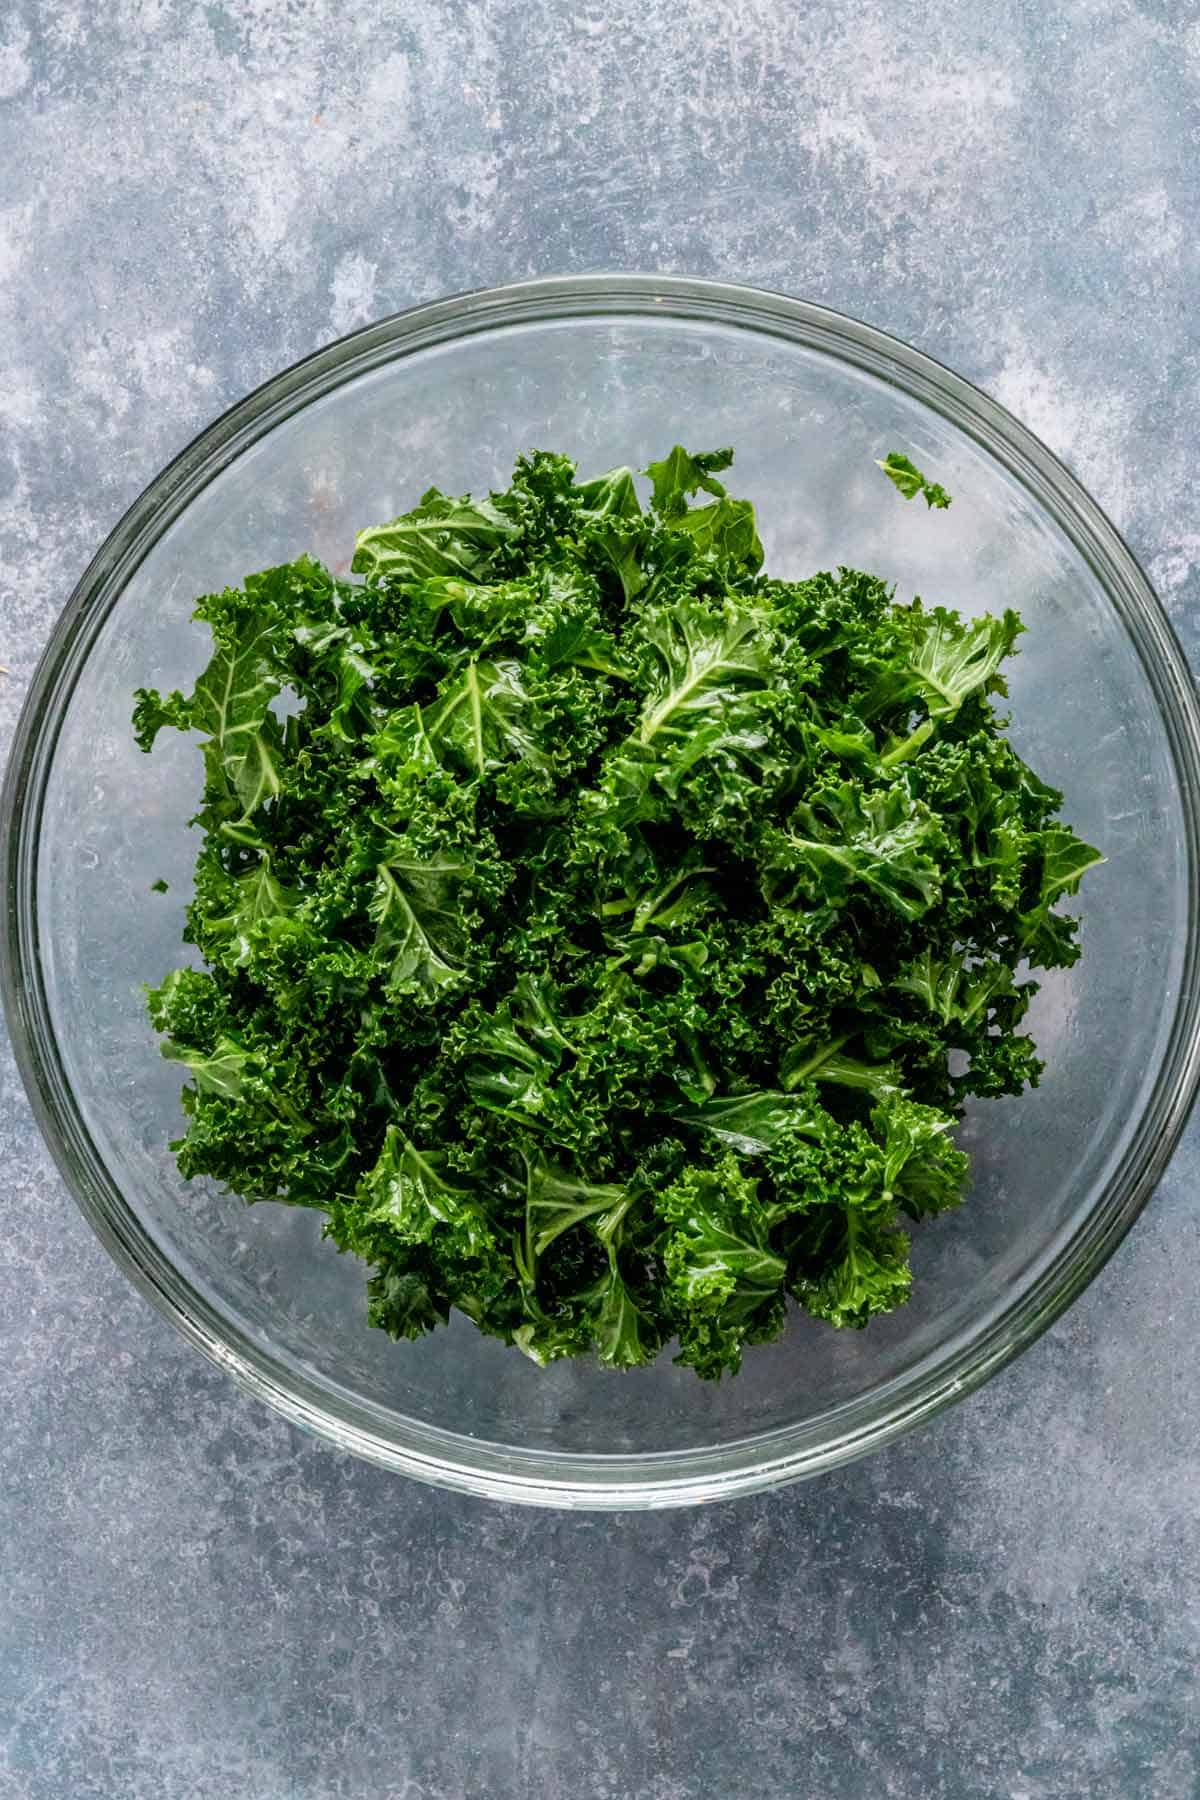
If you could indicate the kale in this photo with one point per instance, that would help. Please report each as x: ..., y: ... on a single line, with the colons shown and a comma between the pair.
x: 910, y: 481
x: 603, y: 935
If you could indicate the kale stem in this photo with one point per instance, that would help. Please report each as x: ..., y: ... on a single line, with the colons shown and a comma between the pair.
x: 815, y: 1061
x: 908, y: 746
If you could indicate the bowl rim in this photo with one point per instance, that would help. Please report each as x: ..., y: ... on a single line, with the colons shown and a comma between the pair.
x: 431, y: 1453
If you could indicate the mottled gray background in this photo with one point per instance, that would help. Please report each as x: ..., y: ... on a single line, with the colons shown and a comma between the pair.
x: 200, y: 1604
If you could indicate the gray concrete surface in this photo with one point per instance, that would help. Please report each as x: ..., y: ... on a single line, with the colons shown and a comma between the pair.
x: 200, y: 1604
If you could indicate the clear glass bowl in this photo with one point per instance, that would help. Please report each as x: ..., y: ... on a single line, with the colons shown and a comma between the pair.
x: 612, y: 370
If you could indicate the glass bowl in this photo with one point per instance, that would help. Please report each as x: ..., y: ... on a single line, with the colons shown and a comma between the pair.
x: 612, y: 370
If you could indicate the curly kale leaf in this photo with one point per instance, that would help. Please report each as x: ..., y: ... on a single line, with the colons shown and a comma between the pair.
x: 845, y: 838
x: 438, y: 537
x: 418, y: 930
x: 230, y: 705
x: 721, y: 1272
x: 724, y: 527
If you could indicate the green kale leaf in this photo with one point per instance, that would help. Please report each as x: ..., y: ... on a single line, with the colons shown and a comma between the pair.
x: 906, y: 476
